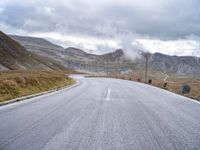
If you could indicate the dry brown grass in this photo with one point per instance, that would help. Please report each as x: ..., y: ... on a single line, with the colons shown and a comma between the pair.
x: 194, y: 83
x: 174, y: 82
x: 20, y: 83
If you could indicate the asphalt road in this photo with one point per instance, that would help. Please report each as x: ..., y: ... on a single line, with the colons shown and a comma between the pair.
x: 102, y: 113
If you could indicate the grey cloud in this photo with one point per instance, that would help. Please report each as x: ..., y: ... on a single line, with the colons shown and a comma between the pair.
x: 15, y: 15
x: 161, y: 19
x: 176, y: 19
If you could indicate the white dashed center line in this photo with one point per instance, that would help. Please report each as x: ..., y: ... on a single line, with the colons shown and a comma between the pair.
x: 108, y: 94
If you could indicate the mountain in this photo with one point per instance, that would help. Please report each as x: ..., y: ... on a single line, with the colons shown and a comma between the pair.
x: 183, y: 65
x: 115, y: 61
x: 74, y: 58
x: 41, y: 47
x: 14, y: 56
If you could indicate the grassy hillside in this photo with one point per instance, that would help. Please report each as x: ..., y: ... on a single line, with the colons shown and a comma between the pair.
x: 13, y: 56
x: 14, y: 84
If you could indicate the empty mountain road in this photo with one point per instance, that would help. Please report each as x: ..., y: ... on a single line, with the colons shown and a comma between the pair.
x: 101, y: 113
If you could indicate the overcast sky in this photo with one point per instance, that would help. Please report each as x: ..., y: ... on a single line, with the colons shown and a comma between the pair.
x: 166, y: 26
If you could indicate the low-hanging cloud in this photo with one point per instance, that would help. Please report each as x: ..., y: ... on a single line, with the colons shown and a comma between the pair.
x: 123, y: 21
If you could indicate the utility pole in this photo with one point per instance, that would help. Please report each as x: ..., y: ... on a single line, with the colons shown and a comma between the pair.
x: 107, y: 66
x: 146, y: 69
x: 146, y: 56
x: 69, y: 65
x: 119, y: 70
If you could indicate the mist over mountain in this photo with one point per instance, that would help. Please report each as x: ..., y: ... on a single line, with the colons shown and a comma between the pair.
x: 117, y: 61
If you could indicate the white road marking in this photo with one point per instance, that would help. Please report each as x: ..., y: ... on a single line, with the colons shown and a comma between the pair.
x: 195, y: 101
x: 108, y: 94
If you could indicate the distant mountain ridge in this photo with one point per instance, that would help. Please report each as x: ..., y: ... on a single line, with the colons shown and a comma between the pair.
x: 39, y: 46
x: 180, y: 65
x: 14, y: 56
x: 116, y: 61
